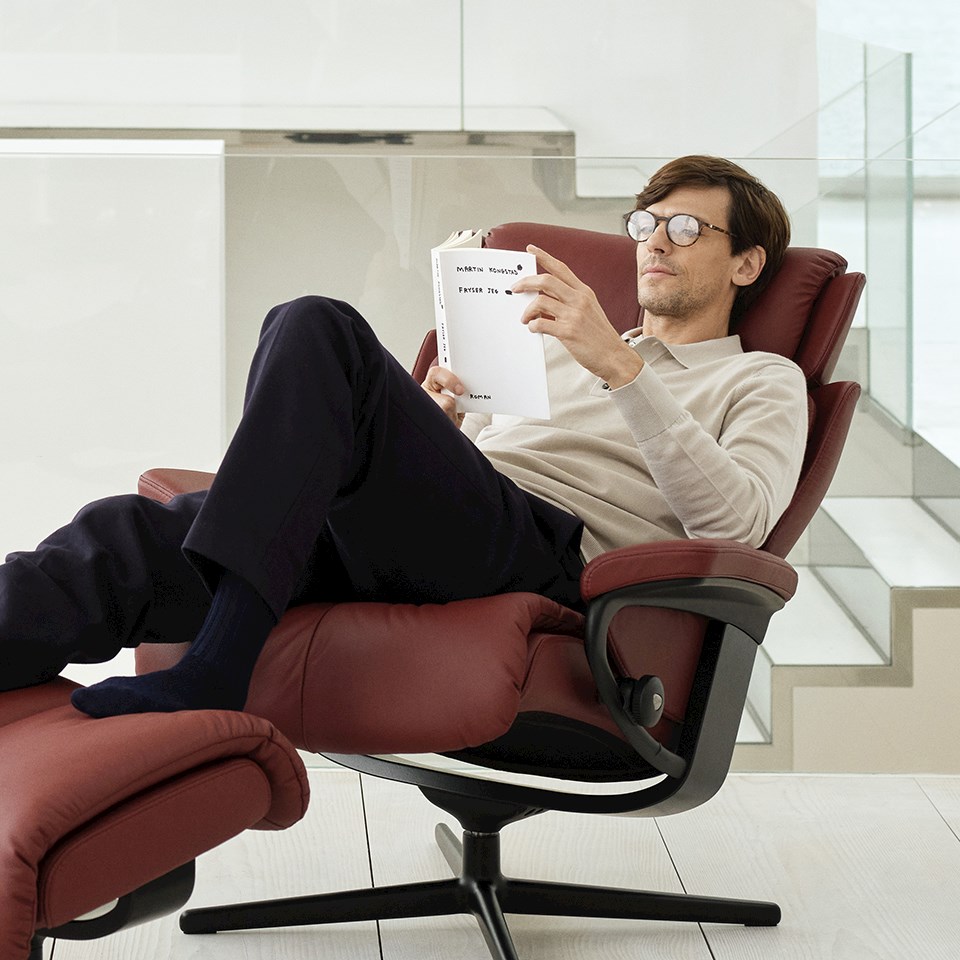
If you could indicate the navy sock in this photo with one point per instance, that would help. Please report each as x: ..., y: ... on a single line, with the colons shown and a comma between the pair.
x: 215, y: 672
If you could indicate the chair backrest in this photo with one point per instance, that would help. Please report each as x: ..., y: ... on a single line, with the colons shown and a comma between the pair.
x: 804, y: 314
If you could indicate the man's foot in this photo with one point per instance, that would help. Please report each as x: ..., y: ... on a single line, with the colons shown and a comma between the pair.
x: 214, y: 674
x: 190, y: 685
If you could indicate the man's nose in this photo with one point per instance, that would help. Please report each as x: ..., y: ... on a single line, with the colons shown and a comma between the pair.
x: 658, y: 240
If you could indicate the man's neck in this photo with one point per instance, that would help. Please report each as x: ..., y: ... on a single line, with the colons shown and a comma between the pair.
x: 673, y: 330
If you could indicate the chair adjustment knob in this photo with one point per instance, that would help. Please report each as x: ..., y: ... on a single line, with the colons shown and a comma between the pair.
x: 643, y: 699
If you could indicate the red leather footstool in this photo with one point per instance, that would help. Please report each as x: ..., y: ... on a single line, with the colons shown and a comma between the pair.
x: 102, y: 819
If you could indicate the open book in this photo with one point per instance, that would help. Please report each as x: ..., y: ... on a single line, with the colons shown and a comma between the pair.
x: 479, y: 333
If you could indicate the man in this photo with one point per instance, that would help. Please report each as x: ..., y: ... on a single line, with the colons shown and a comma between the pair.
x: 346, y: 480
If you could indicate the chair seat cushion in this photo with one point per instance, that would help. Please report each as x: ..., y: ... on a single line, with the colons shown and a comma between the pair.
x: 381, y: 678
x: 92, y: 809
x: 401, y: 678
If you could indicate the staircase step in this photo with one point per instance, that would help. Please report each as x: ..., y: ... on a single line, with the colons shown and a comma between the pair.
x: 946, y: 510
x: 899, y: 539
x: 864, y: 548
x: 813, y: 629
x: 863, y: 551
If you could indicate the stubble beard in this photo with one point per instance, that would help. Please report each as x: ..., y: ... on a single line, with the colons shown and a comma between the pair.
x: 684, y: 301
x: 676, y: 303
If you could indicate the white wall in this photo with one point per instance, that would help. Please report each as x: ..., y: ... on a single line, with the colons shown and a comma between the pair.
x: 630, y: 78
x: 111, y: 322
x: 228, y: 53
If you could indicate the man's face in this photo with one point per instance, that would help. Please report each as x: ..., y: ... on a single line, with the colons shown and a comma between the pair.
x: 683, y: 283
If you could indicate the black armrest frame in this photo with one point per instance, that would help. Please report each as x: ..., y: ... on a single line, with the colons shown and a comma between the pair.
x: 736, y: 604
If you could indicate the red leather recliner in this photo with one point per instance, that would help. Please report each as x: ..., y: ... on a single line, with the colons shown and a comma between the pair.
x: 647, y: 689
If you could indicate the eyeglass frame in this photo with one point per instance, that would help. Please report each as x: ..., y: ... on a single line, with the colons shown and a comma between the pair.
x: 658, y: 220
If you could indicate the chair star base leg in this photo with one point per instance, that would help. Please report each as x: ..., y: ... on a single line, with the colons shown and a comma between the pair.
x: 435, y: 899
x: 450, y: 847
x: 479, y: 889
x: 568, y: 900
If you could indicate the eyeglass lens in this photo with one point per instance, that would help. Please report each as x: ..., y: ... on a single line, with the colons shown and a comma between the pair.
x: 682, y: 229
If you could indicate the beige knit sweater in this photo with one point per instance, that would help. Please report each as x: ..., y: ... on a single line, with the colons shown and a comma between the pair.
x: 707, y: 441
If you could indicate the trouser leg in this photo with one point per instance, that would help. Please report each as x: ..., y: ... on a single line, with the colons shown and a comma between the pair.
x: 341, y: 463
x: 338, y: 446
x: 113, y: 577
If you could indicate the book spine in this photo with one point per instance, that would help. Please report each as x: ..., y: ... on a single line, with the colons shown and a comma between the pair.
x: 443, y: 338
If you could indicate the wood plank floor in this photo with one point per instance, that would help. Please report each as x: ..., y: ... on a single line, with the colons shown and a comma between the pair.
x: 865, y: 868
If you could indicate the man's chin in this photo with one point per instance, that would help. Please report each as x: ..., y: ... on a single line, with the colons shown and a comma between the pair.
x: 658, y: 306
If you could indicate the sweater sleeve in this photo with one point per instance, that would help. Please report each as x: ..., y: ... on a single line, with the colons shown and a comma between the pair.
x: 734, y: 486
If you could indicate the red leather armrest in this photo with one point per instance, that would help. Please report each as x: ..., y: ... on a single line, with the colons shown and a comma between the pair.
x: 683, y: 560
x: 163, y: 484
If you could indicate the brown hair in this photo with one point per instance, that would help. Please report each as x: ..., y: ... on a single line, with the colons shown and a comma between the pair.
x: 757, y: 216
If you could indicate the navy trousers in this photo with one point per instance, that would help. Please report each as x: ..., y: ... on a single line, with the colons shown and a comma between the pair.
x: 343, y: 481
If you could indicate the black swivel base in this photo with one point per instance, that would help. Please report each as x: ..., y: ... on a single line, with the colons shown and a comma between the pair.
x: 481, y: 889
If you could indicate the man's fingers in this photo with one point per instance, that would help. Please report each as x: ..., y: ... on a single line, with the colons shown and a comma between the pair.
x: 541, y: 306
x: 440, y: 378
x: 544, y: 283
x: 447, y: 404
x: 557, y: 281
x: 541, y: 323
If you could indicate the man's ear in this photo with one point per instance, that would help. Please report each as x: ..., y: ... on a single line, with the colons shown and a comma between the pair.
x: 750, y: 266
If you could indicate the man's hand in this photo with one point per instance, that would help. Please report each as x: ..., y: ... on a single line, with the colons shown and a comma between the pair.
x: 566, y: 308
x: 439, y: 379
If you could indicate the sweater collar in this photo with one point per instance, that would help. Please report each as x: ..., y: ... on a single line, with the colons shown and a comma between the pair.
x: 687, y: 354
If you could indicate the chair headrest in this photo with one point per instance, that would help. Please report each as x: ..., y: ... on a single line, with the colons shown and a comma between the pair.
x: 785, y: 318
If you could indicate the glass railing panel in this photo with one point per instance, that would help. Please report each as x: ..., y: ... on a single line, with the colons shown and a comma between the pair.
x: 936, y: 288
x: 889, y: 227
x: 841, y: 120
x: 840, y: 206
x: 857, y: 87
x: 111, y: 321
x: 937, y: 145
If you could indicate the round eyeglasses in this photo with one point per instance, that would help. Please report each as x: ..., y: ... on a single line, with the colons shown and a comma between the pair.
x: 683, y: 229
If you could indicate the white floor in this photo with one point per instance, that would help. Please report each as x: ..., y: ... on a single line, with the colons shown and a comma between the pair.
x: 864, y: 868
